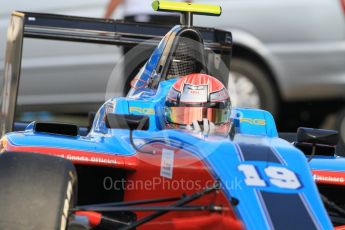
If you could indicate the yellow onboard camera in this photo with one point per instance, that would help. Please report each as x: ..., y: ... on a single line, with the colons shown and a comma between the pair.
x: 187, y: 10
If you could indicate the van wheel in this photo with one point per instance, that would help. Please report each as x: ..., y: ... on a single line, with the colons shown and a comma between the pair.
x: 36, y: 192
x: 250, y: 86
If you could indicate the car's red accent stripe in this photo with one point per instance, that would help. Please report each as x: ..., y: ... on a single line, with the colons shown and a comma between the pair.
x: 94, y: 218
x: 207, y: 221
x: 80, y: 157
x: 329, y: 177
x: 341, y: 227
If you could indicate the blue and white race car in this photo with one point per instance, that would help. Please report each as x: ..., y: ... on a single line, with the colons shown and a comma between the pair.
x: 132, y: 170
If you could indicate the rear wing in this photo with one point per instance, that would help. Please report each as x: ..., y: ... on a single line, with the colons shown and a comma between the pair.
x: 82, y: 29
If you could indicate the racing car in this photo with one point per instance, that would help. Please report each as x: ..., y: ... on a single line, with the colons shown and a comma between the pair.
x: 129, y: 171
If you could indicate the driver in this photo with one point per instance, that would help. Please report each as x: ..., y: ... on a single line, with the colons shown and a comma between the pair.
x: 199, y: 103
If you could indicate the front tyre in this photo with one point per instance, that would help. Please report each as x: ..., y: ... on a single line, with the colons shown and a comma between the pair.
x: 36, y: 191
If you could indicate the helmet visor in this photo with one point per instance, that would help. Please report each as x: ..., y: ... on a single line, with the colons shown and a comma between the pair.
x: 186, y: 115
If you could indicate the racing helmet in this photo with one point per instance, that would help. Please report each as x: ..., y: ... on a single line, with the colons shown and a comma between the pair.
x: 195, y: 97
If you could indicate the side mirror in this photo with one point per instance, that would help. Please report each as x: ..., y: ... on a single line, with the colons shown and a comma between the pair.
x: 126, y: 121
x: 316, y: 141
x: 317, y: 136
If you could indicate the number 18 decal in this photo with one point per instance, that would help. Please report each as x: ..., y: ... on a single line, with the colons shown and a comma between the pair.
x: 278, y: 176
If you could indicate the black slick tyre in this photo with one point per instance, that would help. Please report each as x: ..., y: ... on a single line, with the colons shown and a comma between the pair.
x: 36, y: 191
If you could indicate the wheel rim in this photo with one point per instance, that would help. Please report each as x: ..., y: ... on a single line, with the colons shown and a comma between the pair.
x: 243, y: 91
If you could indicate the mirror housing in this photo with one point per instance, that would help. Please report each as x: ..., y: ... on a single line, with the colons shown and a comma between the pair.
x: 317, y: 136
x: 127, y: 121
x: 317, y: 141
